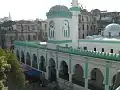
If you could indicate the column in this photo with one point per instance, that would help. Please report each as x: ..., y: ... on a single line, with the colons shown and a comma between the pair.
x: 38, y: 60
x: 47, y: 66
x: 86, y: 75
x: 57, y: 67
x: 31, y: 57
x: 70, y: 74
x: 70, y: 77
x: 107, y: 77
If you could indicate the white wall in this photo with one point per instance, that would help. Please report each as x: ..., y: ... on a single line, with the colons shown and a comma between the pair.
x: 99, y: 46
x: 58, y: 28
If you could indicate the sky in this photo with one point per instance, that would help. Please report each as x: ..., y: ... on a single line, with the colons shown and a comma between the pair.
x: 32, y: 9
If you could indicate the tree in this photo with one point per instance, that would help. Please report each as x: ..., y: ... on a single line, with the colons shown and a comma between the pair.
x: 9, y: 65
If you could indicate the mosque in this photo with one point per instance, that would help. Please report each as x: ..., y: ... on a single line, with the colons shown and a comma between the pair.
x: 75, y: 64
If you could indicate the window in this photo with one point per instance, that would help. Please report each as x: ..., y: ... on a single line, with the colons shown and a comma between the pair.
x: 79, y: 33
x: 87, y: 27
x: 83, y: 36
x: 102, y: 49
x: 34, y: 37
x: 28, y: 37
x: 94, y: 49
x: 53, y: 34
x: 83, y: 26
x: 64, y: 33
x: 109, y: 34
x: 45, y: 26
x: 119, y: 33
x: 111, y: 50
x: 66, y: 45
x: 79, y: 18
x: 82, y: 18
x: 85, y: 48
x: 87, y: 18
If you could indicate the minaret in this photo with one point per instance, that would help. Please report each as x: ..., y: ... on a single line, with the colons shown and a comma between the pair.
x: 75, y: 9
x: 75, y: 3
x: 9, y: 18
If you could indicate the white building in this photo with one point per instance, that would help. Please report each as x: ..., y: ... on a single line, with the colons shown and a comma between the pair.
x: 86, y: 64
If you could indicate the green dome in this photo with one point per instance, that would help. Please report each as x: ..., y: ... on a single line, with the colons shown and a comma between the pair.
x: 59, y: 8
x: 75, y: 9
x: 59, y: 11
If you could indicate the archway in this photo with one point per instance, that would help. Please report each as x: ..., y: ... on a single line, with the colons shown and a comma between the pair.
x: 77, y: 77
x: 34, y: 62
x: 22, y: 57
x: 52, y: 70
x: 42, y: 64
x: 115, y: 81
x: 63, y: 73
x: 28, y: 60
x: 96, y: 81
x: 18, y: 55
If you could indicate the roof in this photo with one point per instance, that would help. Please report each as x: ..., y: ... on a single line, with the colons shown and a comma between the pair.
x: 112, y: 27
x: 30, y: 44
x: 101, y: 40
x: 59, y: 8
x: 70, y: 50
x: 59, y: 11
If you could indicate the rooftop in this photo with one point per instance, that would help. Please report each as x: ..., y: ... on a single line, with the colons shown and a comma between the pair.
x: 70, y: 50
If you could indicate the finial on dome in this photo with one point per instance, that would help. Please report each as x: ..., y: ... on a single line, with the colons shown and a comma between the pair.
x: 75, y: 3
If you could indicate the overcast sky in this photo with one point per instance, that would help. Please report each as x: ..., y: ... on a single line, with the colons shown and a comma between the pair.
x: 32, y: 9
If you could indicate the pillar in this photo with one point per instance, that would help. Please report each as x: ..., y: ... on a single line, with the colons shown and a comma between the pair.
x: 57, y: 67
x: 107, y: 77
x: 70, y: 77
x: 86, y: 75
x: 46, y: 73
x: 70, y: 73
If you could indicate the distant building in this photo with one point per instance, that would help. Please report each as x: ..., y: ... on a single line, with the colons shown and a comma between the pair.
x: 22, y: 30
x: 87, y: 24
x: 104, y: 18
x: 6, y: 18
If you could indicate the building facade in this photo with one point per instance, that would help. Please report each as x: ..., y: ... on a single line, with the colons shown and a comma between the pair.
x: 22, y: 30
x: 88, y: 64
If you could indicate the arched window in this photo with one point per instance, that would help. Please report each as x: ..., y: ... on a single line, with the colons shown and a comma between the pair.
x: 28, y: 37
x: 34, y: 62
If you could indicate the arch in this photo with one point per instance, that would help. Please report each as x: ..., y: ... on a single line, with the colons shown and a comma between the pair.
x: 52, y: 70
x: 78, y: 76
x: 63, y: 73
x: 115, y: 81
x: 18, y: 55
x: 96, y: 81
x: 22, y: 57
x: 28, y: 60
x: 52, y: 62
x: 42, y: 64
x: 34, y: 62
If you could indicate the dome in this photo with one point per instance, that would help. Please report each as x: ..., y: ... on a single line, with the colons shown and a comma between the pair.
x: 59, y: 11
x: 112, y: 27
x: 59, y: 8
x: 112, y: 30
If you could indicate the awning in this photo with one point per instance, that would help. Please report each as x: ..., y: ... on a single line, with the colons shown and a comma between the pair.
x: 34, y: 73
x: 31, y: 71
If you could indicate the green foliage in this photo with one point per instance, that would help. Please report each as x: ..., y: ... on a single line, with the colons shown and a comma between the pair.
x: 1, y: 85
x: 10, y: 64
